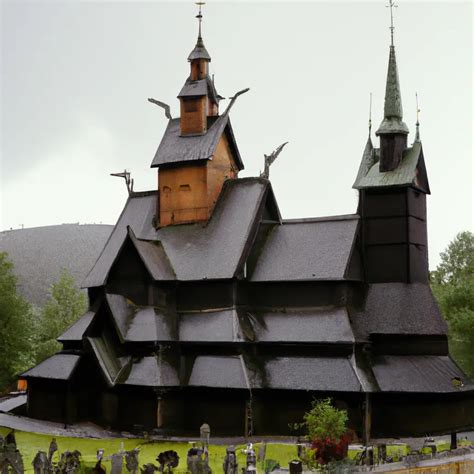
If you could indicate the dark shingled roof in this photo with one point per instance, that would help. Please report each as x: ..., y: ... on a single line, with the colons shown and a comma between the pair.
x: 216, y: 250
x: 140, y: 323
x: 39, y: 254
x: 195, y: 252
x: 319, y: 325
x: 152, y: 372
x: 317, y: 249
x: 215, y: 326
x: 175, y: 148
x: 293, y: 373
x: 194, y: 88
x: 219, y: 372
x: 199, y: 51
x: 333, y: 374
x: 138, y: 213
x: 151, y: 324
x: 154, y: 258
x: 398, y: 308
x: 56, y: 367
x: 432, y: 374
x: 77, y: 330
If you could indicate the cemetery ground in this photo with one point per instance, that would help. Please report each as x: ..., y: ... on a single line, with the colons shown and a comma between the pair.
x: 268, y: 452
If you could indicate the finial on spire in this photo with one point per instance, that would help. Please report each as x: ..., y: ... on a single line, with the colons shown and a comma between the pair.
x: 370, y: 114
x: 417, y: 134
x: 199, y: 16
x: 199, y: 51
x: 391, y: 5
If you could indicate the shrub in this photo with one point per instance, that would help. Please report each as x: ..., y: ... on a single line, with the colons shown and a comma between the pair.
x: 326, y: 428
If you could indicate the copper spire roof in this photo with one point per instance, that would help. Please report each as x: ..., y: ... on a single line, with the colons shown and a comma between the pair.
x: 393, y: 111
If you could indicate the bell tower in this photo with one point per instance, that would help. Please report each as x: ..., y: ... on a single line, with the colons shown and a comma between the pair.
x: 393, y: 184
x: 198, y: 151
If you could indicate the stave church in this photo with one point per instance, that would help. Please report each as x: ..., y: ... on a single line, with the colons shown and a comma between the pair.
x: 206, y: 306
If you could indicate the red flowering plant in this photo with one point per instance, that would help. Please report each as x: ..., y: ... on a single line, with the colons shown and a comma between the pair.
x: 326, y: 428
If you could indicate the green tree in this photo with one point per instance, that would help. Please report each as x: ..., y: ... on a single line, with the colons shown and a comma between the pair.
x: 17, y: 327
x: 453, y: 286
x: 64, y: 307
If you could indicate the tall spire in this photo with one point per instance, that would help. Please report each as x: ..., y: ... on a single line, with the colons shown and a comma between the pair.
x: 417, y: 134
x: 391, y: 5
x: 393, y: 111
x: 370, y: 115
x: 199, y: 51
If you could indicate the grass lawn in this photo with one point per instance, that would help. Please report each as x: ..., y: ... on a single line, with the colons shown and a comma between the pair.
x: 30, y: 443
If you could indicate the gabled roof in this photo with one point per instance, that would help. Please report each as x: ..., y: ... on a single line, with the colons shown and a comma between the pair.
x: 175, y: 148
x: 137, y: 214
x: 307, y: 249
x: 410, y: 172
x: 56, y: 367
x: 195, y: 252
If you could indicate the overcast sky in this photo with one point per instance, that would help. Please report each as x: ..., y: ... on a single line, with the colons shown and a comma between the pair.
x: 76, y: 76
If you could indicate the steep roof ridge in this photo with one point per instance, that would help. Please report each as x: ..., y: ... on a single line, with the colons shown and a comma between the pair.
x: 303, y: 220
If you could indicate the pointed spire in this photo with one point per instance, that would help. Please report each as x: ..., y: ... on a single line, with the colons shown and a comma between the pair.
x: 199, y: 51
x: 417, y: 134
x: 370, y: 115
x: 393, y: 111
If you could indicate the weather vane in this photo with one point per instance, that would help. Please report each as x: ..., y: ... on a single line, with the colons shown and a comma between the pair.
x: 199, y: 15
x: 391, y: 5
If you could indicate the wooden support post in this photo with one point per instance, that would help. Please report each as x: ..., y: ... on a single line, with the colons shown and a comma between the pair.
x: 159, y: 412
x: 454, y: 440
x: 248, y: 419
x: 367, y: 419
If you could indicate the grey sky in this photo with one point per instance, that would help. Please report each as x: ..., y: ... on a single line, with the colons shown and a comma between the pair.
x: 76, y: 76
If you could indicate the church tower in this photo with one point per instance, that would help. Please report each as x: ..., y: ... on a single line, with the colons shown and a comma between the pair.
x: 393, y: 184
x: 198, y: 151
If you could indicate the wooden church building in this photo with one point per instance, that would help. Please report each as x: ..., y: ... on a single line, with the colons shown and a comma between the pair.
x: 206, y: 306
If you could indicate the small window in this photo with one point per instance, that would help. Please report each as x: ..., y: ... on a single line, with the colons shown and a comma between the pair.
x: 185, y: 187
x: 166, y: 189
